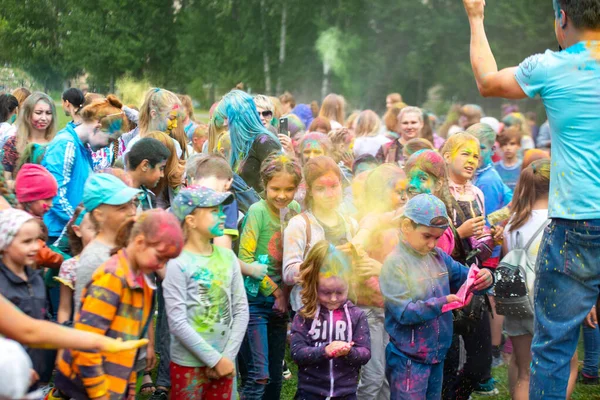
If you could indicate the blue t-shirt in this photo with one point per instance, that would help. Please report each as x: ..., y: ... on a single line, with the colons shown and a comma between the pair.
x: 509, y: 175
x: 569, y: 84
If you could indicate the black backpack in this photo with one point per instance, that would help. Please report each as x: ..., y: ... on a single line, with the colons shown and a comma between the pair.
x: 510, y: 291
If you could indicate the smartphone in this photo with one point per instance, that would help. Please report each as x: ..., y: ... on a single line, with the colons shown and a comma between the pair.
x: 283, y: 126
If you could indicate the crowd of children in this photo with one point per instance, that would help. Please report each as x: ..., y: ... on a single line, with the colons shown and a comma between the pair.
x: 367, y: 249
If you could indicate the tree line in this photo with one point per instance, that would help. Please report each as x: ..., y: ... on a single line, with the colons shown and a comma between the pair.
x: 361, y: 48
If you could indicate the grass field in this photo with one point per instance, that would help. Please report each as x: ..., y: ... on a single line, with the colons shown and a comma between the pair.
x: 582, y: 392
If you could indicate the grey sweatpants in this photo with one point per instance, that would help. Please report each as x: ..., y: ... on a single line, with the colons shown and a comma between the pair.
x: 373, y: 384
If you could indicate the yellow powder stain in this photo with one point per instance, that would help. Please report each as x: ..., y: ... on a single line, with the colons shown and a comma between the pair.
x: 594, y: 49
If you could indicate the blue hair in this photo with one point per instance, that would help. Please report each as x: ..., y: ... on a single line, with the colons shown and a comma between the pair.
x: 243, y: 121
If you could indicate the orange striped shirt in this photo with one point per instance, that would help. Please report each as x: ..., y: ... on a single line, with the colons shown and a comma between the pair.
x: 117, y: 303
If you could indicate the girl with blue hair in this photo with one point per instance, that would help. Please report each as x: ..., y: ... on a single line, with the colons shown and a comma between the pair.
x: 251, y: 142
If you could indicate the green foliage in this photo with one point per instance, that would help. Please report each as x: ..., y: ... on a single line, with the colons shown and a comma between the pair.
x: 373, y: 47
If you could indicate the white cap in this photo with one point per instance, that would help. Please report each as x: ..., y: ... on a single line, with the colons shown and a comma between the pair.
x: 492, y: 122
x: 15, y: 370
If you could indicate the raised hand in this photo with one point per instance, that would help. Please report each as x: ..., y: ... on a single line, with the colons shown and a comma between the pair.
x: 474, y: 8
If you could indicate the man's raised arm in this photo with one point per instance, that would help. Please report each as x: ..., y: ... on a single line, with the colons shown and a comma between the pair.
x: 490, y: 81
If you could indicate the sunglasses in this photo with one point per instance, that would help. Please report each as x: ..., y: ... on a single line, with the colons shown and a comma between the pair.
x: 266, y: 114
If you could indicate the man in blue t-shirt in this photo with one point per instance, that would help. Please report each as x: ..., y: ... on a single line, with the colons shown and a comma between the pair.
x: 568, y: 271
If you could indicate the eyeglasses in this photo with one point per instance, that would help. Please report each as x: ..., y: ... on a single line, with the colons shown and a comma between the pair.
x: 266, y: 114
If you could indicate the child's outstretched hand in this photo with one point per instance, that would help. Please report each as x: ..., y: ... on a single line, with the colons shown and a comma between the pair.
x: 338, y: 349
x: 224, y: 367
x: 483, y: 280
x: 110, y: 345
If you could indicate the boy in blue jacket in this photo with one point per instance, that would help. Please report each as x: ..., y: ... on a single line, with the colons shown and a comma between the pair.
x: 416, y: 281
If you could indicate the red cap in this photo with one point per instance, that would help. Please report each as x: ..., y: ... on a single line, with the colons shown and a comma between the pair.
x: 34, y: 182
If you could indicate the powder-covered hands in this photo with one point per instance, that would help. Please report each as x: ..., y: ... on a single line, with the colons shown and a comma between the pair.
x: 483, y: 280
x: 338, y: 349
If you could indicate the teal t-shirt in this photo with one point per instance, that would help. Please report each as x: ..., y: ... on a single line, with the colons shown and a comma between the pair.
x: 568, y: 83
x: 262, y: 235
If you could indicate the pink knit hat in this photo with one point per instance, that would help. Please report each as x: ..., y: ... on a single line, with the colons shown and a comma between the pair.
x: 34, y: 182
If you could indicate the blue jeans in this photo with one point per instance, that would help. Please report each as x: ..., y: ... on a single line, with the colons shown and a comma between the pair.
x: 411, y: 380
x: 567, y: 284
x: 263, y: 350
x: 591, y: 346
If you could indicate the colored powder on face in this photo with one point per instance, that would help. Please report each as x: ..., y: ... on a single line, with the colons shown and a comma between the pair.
x: 163, y: 232
x: 217, y: 229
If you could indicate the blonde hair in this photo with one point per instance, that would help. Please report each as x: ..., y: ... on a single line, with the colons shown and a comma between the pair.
x: 333, y: 108
x: 264, y: 102
x: 277, y: 107
x: 457, y: 141
x: 411, y: 110
x: 24, y: 126
x: 367, y: 124
x: 162, y: 102
x: 321, y: 255
x: 174, y: 168
x: 186, y: 101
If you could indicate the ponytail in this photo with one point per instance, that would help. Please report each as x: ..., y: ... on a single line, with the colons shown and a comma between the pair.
x: 123, y: 235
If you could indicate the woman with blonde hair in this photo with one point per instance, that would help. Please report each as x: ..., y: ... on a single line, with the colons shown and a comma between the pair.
x: 36, y: 127
x: 367, y: 132
x: 334, y: 109
x: 410, y: 125
x: 161, y: 111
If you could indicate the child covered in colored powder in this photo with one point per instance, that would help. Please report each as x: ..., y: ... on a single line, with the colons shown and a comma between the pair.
x: 416, y: 281
x: 263, y: 349
x: 35, y: 189
x: 330, y: 335
x: 321, y: 220
x: 384, y: 193
x: 205, y: 300
x: 473, y: 244
x: 118, y: 303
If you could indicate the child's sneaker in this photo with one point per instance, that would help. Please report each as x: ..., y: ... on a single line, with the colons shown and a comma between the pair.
x: 588, y: 380
x: 487, y: 389
x: 287, y: 374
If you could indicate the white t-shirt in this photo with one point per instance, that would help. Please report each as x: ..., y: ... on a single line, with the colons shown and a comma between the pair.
x: 369, y: 145
x: 538, y: 217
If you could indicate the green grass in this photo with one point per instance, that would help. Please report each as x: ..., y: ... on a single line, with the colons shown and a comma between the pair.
x: 582, y: 392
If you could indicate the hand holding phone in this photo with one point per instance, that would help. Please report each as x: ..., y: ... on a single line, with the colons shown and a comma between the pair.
x: 283, y: 126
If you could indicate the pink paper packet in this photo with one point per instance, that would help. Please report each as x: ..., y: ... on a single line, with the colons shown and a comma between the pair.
x: 465, y: 293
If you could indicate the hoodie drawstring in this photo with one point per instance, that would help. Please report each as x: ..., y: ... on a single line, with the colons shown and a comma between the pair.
x: 349, y: 323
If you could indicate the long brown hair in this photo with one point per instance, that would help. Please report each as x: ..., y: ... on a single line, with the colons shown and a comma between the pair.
x: 533, y: 184
x: 320, y: 255
x: 333, y: 108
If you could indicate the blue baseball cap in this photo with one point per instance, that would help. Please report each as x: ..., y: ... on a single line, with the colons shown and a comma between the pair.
x: 424, y: 209
x: 194, y: 197
x: 106, y: 189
